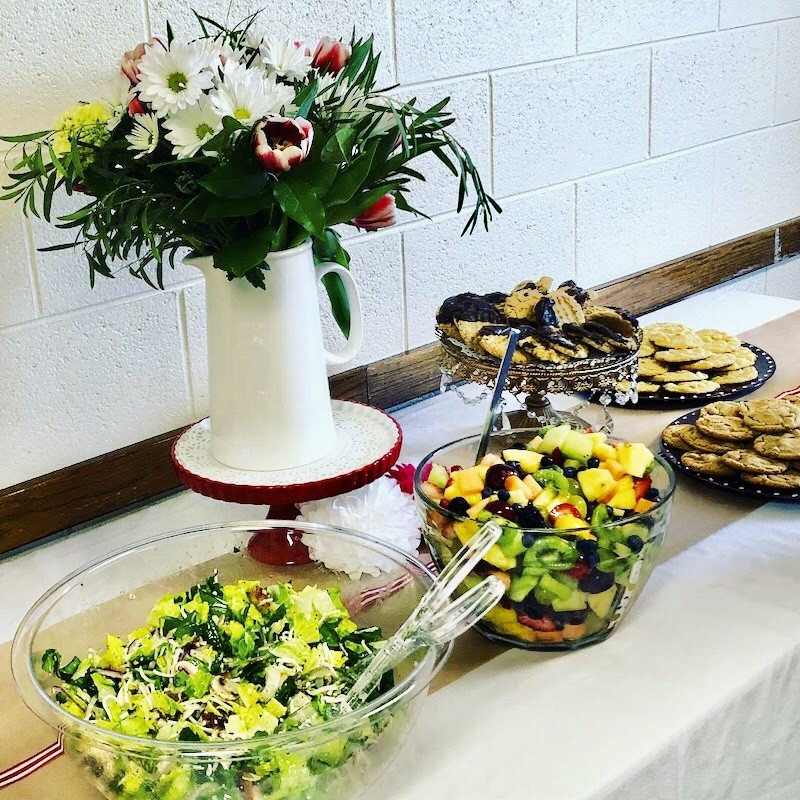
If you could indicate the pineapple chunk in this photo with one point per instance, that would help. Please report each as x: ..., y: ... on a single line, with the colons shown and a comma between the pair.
x: 490, y: 458
x: 635, y: 458
x: 624, y: 496
x: 604, y: 451
x: 615, y: 468
x: 596, y: 483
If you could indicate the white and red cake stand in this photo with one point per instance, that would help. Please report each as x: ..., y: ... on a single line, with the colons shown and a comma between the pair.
x: 368, y: 443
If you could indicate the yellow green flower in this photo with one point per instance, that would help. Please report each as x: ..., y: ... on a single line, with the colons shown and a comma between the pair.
x: 86, y: 123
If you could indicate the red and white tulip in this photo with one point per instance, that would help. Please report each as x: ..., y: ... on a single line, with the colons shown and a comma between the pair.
x: 379, y: 215
x: 331, y: 55
x: 130, y: 60
x: 281, y: 143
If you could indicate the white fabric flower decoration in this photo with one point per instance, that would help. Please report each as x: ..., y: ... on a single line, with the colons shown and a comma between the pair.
x: 144, y: 136
x: 191, y: 128
x: 247, y: 95
x: 171, y: 80
x: 379, y: 509
x: 286, y: 58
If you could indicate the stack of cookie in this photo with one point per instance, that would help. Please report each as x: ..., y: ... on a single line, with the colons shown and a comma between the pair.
x: 757, y: 441
x: 556, y: 325
x: 677, y: 360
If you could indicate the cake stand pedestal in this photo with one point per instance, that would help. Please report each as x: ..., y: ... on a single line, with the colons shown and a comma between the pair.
x: 368, y: 443
x: 601, y: 375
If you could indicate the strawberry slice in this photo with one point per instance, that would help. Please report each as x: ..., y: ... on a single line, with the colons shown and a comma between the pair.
x: 561, y: 509
x: 641, y: 486
x: 544, y: 624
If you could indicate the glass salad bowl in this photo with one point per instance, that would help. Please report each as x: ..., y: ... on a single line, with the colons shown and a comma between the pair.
x: 340, y: 757
x: 581, y: 534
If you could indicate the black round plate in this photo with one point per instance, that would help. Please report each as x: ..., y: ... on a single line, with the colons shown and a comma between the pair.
x: 731, y: 484
x: 765, y: 364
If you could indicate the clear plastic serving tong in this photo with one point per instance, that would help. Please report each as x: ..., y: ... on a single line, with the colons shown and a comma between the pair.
x: 437, y: 618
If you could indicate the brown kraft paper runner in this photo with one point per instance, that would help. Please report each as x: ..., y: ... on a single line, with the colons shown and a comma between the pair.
x: 698, y: 511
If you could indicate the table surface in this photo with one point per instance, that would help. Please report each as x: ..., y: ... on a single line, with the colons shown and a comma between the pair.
x: 697, y: 687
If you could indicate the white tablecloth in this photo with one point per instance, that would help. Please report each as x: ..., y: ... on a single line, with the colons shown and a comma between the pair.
x: 696, y: 697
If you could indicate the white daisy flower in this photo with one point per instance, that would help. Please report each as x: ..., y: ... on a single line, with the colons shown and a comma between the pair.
x: 192, y: 127
x: 285, y: 58
x: 144, y: 136
x: 115, y: 94
x: 253, y: 39
x: 245, y: 94
x: 171, y: 80
x: 220, y: 52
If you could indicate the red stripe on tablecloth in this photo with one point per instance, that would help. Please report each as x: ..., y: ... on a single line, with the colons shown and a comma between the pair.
x: 31, y: 764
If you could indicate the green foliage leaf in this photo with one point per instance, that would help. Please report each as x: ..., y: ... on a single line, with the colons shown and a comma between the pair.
x: 242, y: 255
x: 24, y: 137
x: 339, y: 148
x: 350, y: 179
x: 299, y: 202
x: 242, y: 176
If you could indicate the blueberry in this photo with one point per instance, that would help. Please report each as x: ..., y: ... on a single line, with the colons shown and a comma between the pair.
x: 596, y: 582
x: 593, y: 462
x: 514, y: 465
x: 570, y: 472
x: 528, y: 539
x: 458, y: 506
x: 577, y: 617
x: 503, y: 495
x: 547, y: 462
x: 652, y: 494
x: 487, y: 492
x: 586, y: 546
x: 530, y: 517
x: 517, y: 507
x: 635, y: 543
x: 559, y: 624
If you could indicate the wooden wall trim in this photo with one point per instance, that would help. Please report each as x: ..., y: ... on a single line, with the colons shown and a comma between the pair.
x: 77, y: 494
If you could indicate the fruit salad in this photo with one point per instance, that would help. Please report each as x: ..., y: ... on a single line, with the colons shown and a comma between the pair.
x: 583, y: 518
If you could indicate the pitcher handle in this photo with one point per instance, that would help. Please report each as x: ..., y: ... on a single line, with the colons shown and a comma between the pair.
x: 353, y: 344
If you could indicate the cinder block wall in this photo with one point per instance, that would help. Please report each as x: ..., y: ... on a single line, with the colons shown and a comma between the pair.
x: 617, y: 134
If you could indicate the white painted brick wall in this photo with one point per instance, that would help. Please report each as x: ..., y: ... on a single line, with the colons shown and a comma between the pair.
x: 661, y: 126
x: 643, y: 215
x: 560, y: 121
x: 756, y: 180
x: 787, y: 92
x: 710, y: 87
x: 83, y: 384
x: 603, y: 24
x: 733, y: 13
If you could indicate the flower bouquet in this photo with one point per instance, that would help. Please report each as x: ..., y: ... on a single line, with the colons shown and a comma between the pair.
x: 235, y: 145
x: 246, y: 151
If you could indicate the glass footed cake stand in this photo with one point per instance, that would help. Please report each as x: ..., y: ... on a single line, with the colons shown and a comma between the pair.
x: 600, y: 376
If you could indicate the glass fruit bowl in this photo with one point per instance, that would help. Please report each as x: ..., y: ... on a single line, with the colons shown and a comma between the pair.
x: 573, y: 563
x: 338, y: 758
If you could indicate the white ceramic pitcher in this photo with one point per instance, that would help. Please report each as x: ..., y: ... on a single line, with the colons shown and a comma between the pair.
x: 268, y: 385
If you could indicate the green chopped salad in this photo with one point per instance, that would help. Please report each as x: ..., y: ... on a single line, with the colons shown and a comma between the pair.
x: 219, y: 663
